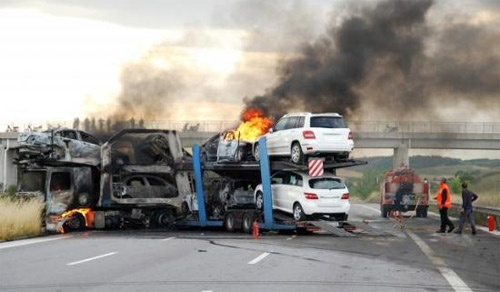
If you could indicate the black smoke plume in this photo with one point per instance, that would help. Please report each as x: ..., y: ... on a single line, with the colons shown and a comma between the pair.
x: 378, y: 55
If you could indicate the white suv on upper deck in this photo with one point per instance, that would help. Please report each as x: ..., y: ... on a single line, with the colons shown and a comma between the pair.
x: 297, y: 135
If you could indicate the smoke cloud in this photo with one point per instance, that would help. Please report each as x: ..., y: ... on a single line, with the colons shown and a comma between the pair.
x: 388, y: 59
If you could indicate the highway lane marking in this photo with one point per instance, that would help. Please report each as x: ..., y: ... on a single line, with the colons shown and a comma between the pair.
x: 291, y: 237
x: 496, y: 233
x: 168, y: 238
x: 92, y: 258
x: 28, y: 241
x: 259, y: 258
x: 453, y: 279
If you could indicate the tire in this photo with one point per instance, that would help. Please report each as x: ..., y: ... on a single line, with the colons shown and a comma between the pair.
x: 229, y: 222
x: 246, y: 225
x: 256, y: 154
x: 384, y: 210
x: 185, y: 209
x: 345, y: 217
x: 297, y: 156
x: 259, y: 201
x: 418, y: 212
x: 165, y: 219
x: 75, y: 223
x: 298, y: 212
x: 341, y: 157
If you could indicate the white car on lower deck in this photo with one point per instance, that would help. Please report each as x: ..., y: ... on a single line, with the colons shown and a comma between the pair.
x: 304, y: 196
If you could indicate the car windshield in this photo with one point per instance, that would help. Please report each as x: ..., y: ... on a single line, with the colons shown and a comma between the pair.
x: 326, y: 183
x: 328, y: 122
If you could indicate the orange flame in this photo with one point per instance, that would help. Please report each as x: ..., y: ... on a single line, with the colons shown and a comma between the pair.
x: 253, y: 126
x: 87, y: 213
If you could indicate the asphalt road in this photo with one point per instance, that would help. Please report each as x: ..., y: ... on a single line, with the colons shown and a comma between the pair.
x: 384, y: 258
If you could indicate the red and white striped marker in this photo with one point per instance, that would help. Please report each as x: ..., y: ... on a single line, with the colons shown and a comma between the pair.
x: 316, y: 167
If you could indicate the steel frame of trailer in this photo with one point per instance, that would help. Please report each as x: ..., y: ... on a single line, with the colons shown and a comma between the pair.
x: 265, y: 174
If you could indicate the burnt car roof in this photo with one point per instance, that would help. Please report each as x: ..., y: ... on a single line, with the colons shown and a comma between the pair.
x: 137, y: 131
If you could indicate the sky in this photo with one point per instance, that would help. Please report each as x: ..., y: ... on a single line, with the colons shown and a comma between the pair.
x: 63, y: 59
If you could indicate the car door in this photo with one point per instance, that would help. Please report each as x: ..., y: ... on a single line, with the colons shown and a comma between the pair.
x: 160, y: 188
x: 288, y: 135
x: 136, y: 187
x: 274, y: 142
x: 277, y: 188
x: 294, y: 191
x: 60, y: 191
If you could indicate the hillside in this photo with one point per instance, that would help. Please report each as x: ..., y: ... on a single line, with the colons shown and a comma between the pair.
x: 483, y: 176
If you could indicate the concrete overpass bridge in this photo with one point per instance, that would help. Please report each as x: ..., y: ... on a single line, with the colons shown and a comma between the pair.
x: 400, y: 136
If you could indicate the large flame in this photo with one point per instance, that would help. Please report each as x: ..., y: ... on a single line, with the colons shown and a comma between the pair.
x: 253, y: 125
x: 87, y: 213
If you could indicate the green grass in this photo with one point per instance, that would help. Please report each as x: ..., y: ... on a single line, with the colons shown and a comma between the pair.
x: 19, y: 217
x: 488, y: 190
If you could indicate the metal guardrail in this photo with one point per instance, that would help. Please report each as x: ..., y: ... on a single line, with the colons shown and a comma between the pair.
x: 356, y: 126
x: 481, y: 209
x: 425, y: 127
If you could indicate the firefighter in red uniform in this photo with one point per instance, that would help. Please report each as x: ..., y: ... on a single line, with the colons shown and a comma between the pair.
x: 443, y: 200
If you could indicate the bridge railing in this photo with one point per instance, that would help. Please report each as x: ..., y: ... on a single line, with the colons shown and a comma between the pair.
x: 356, y: 126
x: 425, y: 127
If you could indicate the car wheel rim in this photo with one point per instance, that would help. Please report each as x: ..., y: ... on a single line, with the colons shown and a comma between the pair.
x: 259, y: 201
x: 297, y: 212
x: 295, y: 154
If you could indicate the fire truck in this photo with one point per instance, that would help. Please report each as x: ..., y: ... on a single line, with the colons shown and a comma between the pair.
x: 403, y: 190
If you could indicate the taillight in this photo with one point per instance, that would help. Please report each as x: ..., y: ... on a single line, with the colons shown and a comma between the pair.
x: 308, y: 135
x: 311, y: 196
x: 351, y: 136
x: 345, y: 196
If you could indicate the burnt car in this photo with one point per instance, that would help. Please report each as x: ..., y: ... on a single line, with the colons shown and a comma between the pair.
x: 224, y: 193
x: 62, y: 144
x: 147, y: 186
x: 226, y: 147
x: 138, y: 168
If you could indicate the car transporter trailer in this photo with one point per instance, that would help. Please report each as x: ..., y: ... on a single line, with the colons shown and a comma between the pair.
x: 243, y: 217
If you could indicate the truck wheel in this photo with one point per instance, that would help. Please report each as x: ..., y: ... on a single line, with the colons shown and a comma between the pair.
x: 384, y: 211
x: 75, y: 223
x: 165, y: 219
x: 424, y: 212
x: 247, y: 223
x: 418, y: 212
x: 229, y: 222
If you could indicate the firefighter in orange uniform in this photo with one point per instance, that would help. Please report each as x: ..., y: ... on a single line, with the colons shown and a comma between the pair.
x: 443, y: 200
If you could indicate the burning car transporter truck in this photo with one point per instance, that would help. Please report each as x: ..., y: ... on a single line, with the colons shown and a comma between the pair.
x: 143, y: 180
x: 134, y: 183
